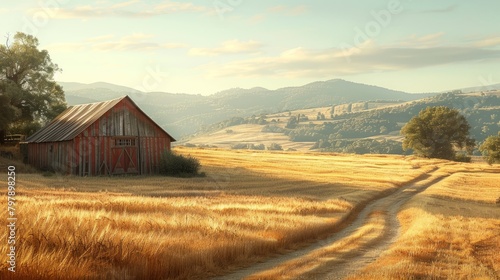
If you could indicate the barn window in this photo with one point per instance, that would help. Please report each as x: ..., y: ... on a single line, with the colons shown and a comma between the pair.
x: 125, y: 142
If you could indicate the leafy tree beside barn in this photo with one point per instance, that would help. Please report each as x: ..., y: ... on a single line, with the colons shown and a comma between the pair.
x: 29, y: 96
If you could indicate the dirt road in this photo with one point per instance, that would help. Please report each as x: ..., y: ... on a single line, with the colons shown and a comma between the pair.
x: 349, y: 263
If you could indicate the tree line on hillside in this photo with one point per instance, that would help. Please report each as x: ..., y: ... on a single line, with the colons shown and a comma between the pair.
x: 261, y: 147
x: 346, y: 129
x: 361, y: 146
x: 343, y: 133
x: 261, y: 120
x: 476, y: 109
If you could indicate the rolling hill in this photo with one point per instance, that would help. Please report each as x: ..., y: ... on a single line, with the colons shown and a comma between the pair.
x: 185, y: 114
x: 361, y: 127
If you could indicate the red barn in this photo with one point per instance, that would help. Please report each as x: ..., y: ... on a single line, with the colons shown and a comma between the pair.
x: 104, y: 138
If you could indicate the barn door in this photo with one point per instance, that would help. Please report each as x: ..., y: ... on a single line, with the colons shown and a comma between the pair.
x: 124, y: 159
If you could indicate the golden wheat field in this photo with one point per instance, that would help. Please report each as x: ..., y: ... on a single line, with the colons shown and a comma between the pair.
x: 251, y: 207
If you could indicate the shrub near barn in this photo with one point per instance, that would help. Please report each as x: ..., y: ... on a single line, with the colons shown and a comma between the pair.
x: 172, y: 164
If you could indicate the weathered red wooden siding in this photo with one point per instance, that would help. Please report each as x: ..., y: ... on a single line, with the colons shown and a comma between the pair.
x: 95, y: 145
x: 93, y: 151
x: 51, y: 156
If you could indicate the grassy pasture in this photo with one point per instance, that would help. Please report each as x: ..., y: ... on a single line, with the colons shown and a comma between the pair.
x: 250, y: 206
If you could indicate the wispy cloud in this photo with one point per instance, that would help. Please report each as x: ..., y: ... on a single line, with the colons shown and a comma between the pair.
x: 174, y: 7
x: 493, y: 41
x: 301, y: 62
x: 288, y: 10
x: 133, y: 8
x: 424, y: 41
x: 124, y: 4
x: 228, y: 47
x: 431, y: 37
x: 284, y: 10
x: 133, y: 42
x: 447, y: 9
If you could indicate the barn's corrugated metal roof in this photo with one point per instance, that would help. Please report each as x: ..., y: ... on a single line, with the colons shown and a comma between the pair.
x: 76, y: 119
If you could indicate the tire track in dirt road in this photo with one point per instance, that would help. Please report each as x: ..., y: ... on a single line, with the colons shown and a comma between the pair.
x: 339, y: 268
x: 391, y: 206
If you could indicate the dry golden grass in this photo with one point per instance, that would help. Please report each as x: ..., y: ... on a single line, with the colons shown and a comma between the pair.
x: 354, y: 177
x: 250, y: 206
x: 449, y: 231
x: 299, y: 268
x: 106, y: 235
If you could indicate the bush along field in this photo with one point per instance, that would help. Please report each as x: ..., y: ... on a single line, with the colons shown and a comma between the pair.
x: 172, y: 164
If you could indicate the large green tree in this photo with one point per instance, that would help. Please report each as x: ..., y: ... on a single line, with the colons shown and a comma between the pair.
x: 28, y: 93
x: 491, y: 149
x: 437, y: 132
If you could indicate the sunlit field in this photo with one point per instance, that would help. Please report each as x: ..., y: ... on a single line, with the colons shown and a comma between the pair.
x: 298, y: 268
x: 449, y: 231
x: 106, y: 235
x: 250, y: 207
x: 315, y: 175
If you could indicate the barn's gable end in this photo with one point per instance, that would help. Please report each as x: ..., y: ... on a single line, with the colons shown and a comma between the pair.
x: 76, y: 119
x: 105, y: 138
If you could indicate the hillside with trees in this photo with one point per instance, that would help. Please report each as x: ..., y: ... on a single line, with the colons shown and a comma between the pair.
x: 376, y: 130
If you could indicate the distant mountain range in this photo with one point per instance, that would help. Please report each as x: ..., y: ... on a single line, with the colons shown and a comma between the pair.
x: 184, y: 114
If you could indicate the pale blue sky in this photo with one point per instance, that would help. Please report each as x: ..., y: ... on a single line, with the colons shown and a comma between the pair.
x: 205, y: 46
